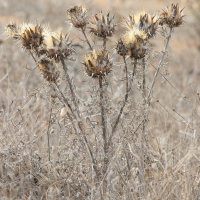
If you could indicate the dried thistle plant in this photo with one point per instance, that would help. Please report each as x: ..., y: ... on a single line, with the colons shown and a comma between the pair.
x: 98, y: 145
x: 172, y: 16
x: 121, y: 48
x: 135, y: 41
x: 97, y: 63
x: 103, y: 27
x: 143, y: 21
x: 78, y: 16
x: 48, y: 69
x: 57, y: 46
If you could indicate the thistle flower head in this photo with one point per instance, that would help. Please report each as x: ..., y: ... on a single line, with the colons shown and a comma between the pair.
x: 31, y: 35
x: 97, y: 63
x: 135, y: 40
x: 12, y: 30
x: 48, y: 69
x: 143, y: 21
x: 121, y: 48
x: 78, y: 16
x: 102, y: 27
x: 57, y: 46
x: 172, y: 16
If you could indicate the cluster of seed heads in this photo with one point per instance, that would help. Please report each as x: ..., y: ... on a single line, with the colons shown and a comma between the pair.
x: 51, y: 48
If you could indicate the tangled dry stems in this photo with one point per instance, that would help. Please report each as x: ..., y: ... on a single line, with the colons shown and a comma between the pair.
x: 103, y: 147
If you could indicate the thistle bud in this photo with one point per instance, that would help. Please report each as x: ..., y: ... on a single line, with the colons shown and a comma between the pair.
x: 102, y: 27
x: 48, y: 69
x: 97, y: 63
x: 12, y: 31
x: 78, y: 16
x: 121, y: 48
x: 143, y: 21
x: 135, y: 40
x: 57, y: 46
x: 172, y: 16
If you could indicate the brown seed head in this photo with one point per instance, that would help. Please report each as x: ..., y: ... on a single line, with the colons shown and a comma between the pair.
x: 97, y: 63
x: 48, y: 69
x: 121, y: 48
x: 31, y: 36
x: 78, y: 16
x: 172, y: 16
x: 135, y: 41
x: 143, y: 21
x: 57, y: 46
x: 101, y: 27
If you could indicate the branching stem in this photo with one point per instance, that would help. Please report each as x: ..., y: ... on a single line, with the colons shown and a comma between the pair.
x: 160, y: 64
x: 83, y: 31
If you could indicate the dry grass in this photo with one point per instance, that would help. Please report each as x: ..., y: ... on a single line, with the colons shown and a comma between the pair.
x: 110, y: 142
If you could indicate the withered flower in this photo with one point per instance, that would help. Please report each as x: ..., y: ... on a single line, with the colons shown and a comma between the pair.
x: 101, y: 27
x: 31, y: 36
x: 172, y: 16
x: 48, y: 69
x: 143, y: 21
x: 122, y: 50
x: 135, y: 41
x: 97, y: 63
x: 78, y: 16
x: 57, y: 46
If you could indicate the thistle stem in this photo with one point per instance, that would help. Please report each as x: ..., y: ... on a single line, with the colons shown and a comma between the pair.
x: 125, y: 101
x: 48, y: 134
x: 103, y: 122
x: 133, y: 74
x: 143, y: 125
x: 104, y: 43
x: 32, y: 56
x: 83, y: 31
x: 70, y: 86
x: 160, y: 64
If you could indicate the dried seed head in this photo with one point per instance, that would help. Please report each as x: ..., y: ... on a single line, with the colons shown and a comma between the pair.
x: 78, y: 16
x: 135, y: 40
x: 97, y: 63
x: 172, y: 16
x: 121, y: 48
x: 48, y: 69
x: 143, y: 21
x: 57, y: 46
x: 101, y: 27
x: 31, y: 36
x: 12, y: 31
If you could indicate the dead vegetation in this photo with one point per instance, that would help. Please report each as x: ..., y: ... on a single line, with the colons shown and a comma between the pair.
x: 102, y: 118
